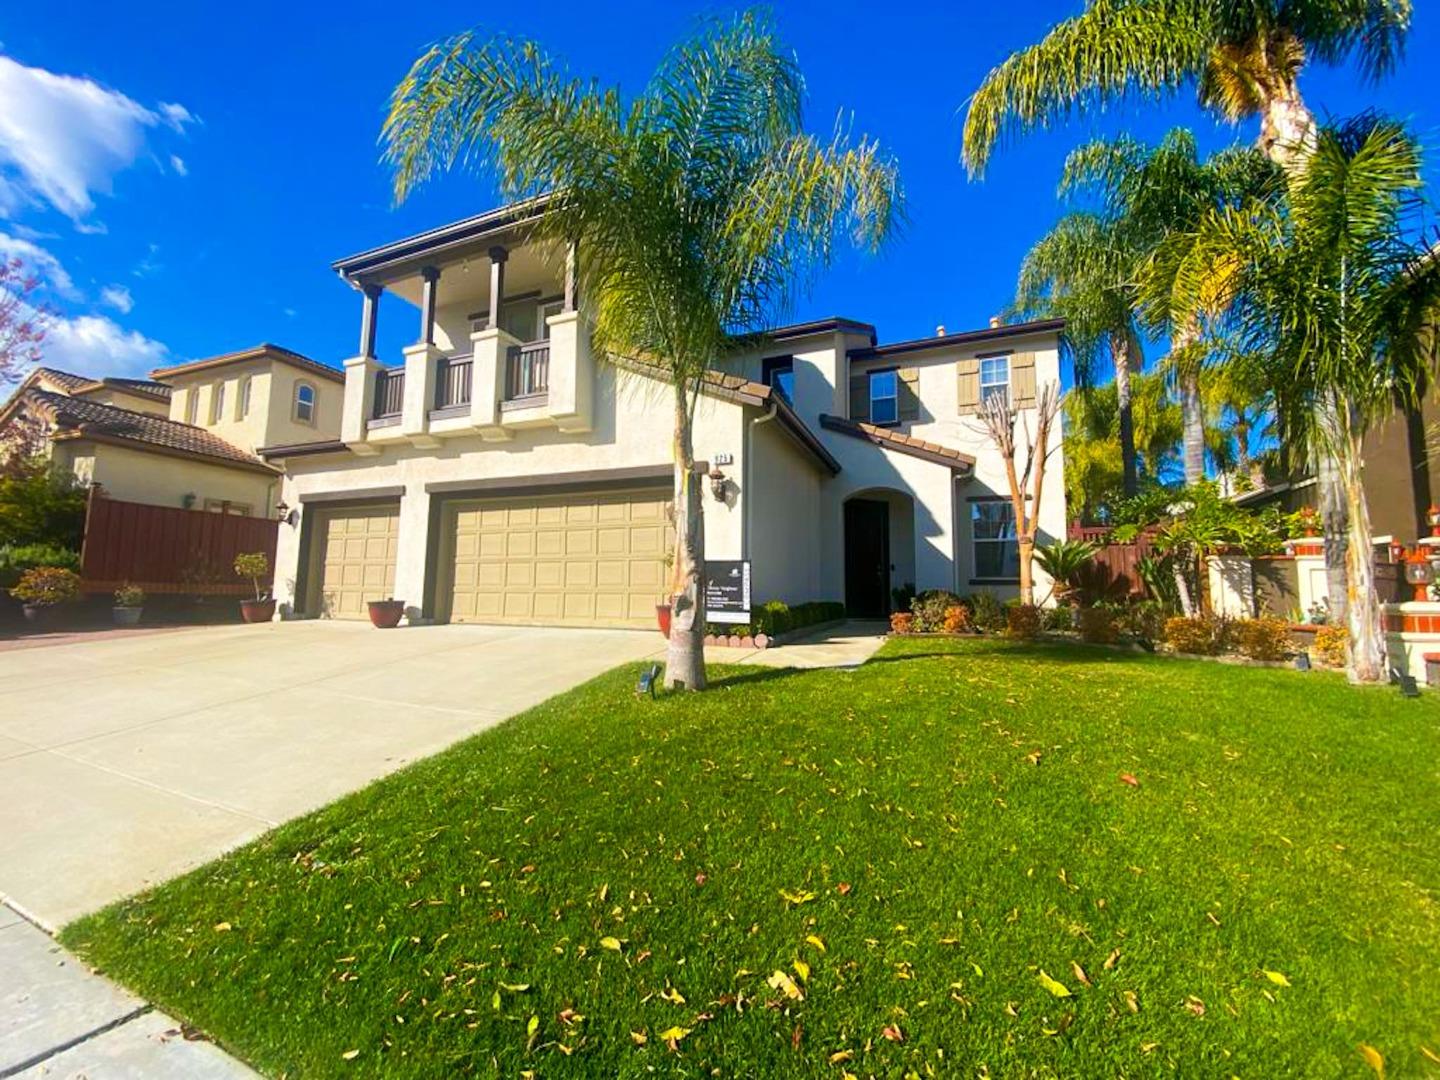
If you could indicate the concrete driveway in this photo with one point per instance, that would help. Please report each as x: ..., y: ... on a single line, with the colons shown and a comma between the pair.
x: 125, y: 761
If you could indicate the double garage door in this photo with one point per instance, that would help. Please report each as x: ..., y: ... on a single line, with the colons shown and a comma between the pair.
x: 582, y: 559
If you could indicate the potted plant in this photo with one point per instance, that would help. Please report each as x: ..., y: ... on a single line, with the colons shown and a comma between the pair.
x: 254, y: 565
x: 385, y: 614
x: 662, y: 616
x: 129, y: 601
x: 41, y: 588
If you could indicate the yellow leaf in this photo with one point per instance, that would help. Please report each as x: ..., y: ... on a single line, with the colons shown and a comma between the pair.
x: 611, y: 943
x: 1112, y: 960
x: 1080, y: 973
x: 816, y: 941
x: 1059, y: 989
x: 782, y: 982
x: 674, y: 1034
x: 515, y: 988
x: 350, y: 1055
x: 221, y: 927
x: 1277, y: 978
x: 1430, y: 1053
x: 639, y: 1038
x: 841, y: 1056
x: 801, y: 896
x: 672, y: 995
x: 802, y: 969
x: 1373, y: 1058
x: 1131, y: 1001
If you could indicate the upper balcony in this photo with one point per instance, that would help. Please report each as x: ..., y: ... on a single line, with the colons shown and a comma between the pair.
x: 478, y: 367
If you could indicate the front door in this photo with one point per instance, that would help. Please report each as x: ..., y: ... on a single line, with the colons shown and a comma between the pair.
x: 867, y: 558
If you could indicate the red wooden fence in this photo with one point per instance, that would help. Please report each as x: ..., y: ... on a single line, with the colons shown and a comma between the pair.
x: 1114, y: 572
x: 164, y: 549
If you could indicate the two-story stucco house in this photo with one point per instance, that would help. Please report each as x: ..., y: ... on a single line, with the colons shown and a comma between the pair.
x: 501, y: 472
x: 185, y: 437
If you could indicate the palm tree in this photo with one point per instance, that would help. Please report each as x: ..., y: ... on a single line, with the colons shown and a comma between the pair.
x: 1239, y: 410
x: 1348, y: 306
x: 699, y: 208
x: 1244, y: 58
x: 1093, y: 469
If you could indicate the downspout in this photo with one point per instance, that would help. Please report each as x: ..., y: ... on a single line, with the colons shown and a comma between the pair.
x: 745, y: 512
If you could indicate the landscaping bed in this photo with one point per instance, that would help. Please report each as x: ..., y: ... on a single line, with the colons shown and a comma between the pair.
x: 966, y: 856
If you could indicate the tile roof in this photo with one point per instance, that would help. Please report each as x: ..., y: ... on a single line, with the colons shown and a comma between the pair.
x: 67, y: 379
x: 147, y: 387
x: 255, y: 352
x: 890, y: 439
x: 79, y: 418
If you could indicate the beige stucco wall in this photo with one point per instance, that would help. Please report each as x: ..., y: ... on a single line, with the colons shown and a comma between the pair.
x: 783, y: 486
x: 142, y: 403
x: 270, y: 420
x: 162, y: 480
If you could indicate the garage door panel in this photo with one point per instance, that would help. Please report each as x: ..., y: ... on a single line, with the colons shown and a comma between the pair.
x: 357, y: 561
x: 586, y: 559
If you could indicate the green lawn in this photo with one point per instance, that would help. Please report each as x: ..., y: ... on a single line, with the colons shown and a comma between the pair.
x: 924, y: 837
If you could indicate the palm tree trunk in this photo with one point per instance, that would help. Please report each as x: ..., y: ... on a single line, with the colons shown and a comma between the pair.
x: 685, y: 655
x: 1287, y: 128
x: 1366, y: 661
x: 1120, y: 349
x: 1192, y: 411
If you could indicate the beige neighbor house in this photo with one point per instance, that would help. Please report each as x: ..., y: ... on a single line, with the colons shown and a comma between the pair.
x: 502, y: 473
x: 185, y: 437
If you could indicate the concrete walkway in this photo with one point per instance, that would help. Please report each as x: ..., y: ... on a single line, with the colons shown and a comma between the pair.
x: 58, y: 1020
x: 848, y: 645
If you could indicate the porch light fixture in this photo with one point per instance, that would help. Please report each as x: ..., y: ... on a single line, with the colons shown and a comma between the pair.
x: 717, y: 484
x: 1433, y: 516
x: 284, y: 514
x: 1419, y: 573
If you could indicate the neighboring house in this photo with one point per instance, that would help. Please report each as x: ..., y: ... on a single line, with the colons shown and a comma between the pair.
x: 187, y: 437
x: 502, y: 473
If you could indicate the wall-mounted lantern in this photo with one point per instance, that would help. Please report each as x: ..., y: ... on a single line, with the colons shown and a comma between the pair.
x: 284, y: 514
x: 717, y: 484
x: 1419, y: 573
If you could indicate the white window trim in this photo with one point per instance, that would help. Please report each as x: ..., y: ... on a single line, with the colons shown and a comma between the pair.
x: 192, y: 405
x: 242, y: 399
x: 894, y: 373
x: 1001, y: 385
x: 217, y: 402
x: 976, y: 540
x: 309, y: 421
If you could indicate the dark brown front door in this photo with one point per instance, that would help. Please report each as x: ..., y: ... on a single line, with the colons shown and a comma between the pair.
x: 867, y: 558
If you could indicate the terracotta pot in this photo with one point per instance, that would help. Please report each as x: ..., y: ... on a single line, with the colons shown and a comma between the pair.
x: 385, y: 614
x: 126, y: 616
x: 257, y: 611
x: 662, y: 617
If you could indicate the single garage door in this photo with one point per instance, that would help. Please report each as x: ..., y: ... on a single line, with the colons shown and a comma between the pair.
x: 356, y: 551
x: 592, y: 559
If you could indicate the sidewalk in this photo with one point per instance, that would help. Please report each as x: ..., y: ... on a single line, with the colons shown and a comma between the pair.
x: 58, y: 1020
x: 848, y: 645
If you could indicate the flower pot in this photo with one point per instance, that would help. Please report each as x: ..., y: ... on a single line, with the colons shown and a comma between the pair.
x: 257, y: 611
x: 126, y: 616
x: 385, y: 614
x: 662, y: 617
x: 39, y: 615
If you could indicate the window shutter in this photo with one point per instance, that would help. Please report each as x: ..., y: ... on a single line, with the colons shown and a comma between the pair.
x: 1022, y: 380
x: 968, y: 386
x: 907, y: 386
x: 860, y: 397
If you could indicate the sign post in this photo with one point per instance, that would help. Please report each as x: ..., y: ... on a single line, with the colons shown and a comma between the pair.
x: 727, y: 591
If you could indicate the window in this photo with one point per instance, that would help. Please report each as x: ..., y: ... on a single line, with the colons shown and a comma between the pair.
x: 543, y: 313
x: 884, y: 397
x: 994, y: 378
x: 778, y: 373
x: 992, y: 528
x: 217, y: 403
x: 225, y: 506
x: 192, y: 405
x: 244, y: 404
x: 304, y: 403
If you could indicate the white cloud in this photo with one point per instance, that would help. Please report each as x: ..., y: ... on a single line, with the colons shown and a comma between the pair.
x: 117, y: 297
x: 95, y: 345
x: 178, y: 164
x: 63, y: 138
x: 39, y: 262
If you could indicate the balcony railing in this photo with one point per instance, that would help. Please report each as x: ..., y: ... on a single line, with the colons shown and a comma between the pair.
x: 452, y: 381
x: 527, y: 370
x: 389, y: 394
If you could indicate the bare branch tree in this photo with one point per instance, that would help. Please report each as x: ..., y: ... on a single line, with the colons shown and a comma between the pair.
x: 22, y: 320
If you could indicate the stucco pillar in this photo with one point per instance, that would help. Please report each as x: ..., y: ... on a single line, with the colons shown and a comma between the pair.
x: 421, y: 364
x: 359, y: 403
x: 429, y: 288
x: 487, y: 381
x: 572, y: 373
x: 412, y: 551
x: 498, y: 256
x: 369, y: 316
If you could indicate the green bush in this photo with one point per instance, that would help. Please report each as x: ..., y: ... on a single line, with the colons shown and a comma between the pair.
x: 986, y: 612
x: 1057, y: 619
x: 1022, y: 621
x: 1143, y: 620
x: 47, y: 585
x: 1265, y: 638
x: 776, y: 617
x: 930, y: 608
x: 773, y: 617
x: 1097, y: 625
x: 39, y: 505
x: 1202, y: 635
x: 15, y: 560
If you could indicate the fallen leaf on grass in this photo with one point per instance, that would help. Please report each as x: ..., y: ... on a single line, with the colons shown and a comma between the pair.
x: 786, y: 985
x: 841, y: 1056
x: 801, y: 896
x: 843, y: 888
x: 532, y: 1032
x: 1112, y: 960
x: 1128, y: 778
x: 893, y: 1033
x: 1276, y: 978
x: 1131, y: 1001
x: 1430, y: 1053
x: 802, y: 969
x: 672, y: 995
x: 818, y: 942
x: 1055, y: 987
x: 1195, y: 1005
x: 673, y: 1035
x: 639, y: 1038
x: 1373, y: 1058
x: 350, y: 1055
x: 1080, y: 973
x: 611, y: 943
x: 221, y: 927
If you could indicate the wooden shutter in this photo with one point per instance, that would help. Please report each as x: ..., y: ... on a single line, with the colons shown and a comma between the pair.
x: 907, y: 387
x: 860, y: 396
x: 968, y: 386
x: 1022, y: 380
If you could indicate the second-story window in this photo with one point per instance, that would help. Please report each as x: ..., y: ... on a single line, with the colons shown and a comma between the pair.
x: 884, y: 397
x: 994, y: 379
x: 778, y: 373
x: 244, y: 403
x: 304, y: 403
x: 217, y: 403
x: 192, y: 405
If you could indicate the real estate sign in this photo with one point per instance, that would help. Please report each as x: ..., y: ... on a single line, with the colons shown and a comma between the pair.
x: 727, y: 591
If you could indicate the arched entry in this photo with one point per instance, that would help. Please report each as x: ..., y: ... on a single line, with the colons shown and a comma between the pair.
x: 879, y: 544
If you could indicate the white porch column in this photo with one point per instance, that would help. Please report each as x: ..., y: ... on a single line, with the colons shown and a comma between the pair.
x: 412, y: 550
x: 572, y: 373
x: 487, y: 381
x: 421, y: 364
x: 359, y: 403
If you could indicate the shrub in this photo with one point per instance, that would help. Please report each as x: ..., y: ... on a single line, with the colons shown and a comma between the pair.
x: 253, y: 565
x: 1097, y: 625
x: 41, y: 505
x: 929, y: 609
x: 1330, y: 642
x: 1265, y: 638
x: 1057, y: 619
x: 129, y: 596
x: 1022, y: 622
x: 957, y: 619
x: 1143, y: 620
x: 776, y: 617
x: 772, y: 618
x: 15, y: 560
x: 1202, y: 635
x: 901, y: 596
x: 47, y: 585
x: 902, y: 622
x: 986, y: 612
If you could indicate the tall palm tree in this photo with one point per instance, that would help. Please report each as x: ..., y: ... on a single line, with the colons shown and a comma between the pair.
x: 1244, y: 58
x: 700, y: 208
x: 1093, y: 469
x: 1348, y: 306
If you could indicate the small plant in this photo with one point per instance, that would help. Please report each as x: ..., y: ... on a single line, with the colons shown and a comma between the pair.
x: 930, y: 609
x: 986, y: 612
x: 1097, y: 625
x: 253, y: 565
x: 957, y: 619
x: 1065, y: 562
x: 1022, y: 622
x: 1143, y: 620
x: 902, y: 622
x: 45, y: 586
x: 129, y: 596
x: 1303, y: 522
x: 1265, y: 638
x: 1057, y: 619
x: 16, y: 559
x: 1202, y: 635
x: 901, y: 596
x: 1318, y: 614
x: 1330, y: 643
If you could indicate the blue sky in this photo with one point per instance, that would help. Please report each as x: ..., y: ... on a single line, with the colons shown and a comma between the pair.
x: 184, y: 181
